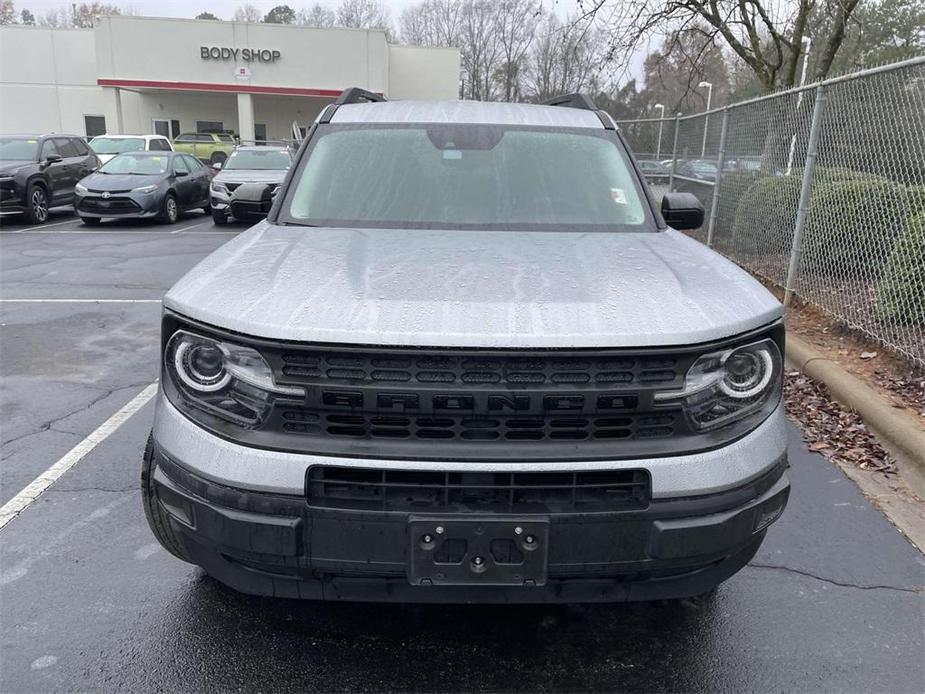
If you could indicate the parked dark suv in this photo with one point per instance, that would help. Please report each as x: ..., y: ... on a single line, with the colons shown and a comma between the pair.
x: 38, y: 172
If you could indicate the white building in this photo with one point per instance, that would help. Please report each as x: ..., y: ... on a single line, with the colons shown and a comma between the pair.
x: 151, y: 75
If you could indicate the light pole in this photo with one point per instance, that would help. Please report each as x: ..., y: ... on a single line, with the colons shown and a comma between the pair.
x: 706, y: 119
x: 793, y: 139
x: 661, y: 116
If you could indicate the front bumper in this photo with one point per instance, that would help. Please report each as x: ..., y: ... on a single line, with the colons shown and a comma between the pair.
x: 12, y: 199
x: 129, y: 205
x: 281, y: 544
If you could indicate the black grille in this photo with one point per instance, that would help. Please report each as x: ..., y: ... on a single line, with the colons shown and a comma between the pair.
x: 231, y: 186
x: 109, y: 205
x: 499, y: 492
x: 471, y: 405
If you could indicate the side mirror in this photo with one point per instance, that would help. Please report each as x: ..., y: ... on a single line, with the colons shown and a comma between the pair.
x: 52, y: 158
x: 180, y: 174
x: 682, y: 211
x: 217, y: 166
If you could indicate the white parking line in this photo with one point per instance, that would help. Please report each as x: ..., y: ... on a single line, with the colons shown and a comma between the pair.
x: 190, y: 226
x: 80, y: 301
x: 43, y: 226
x: 34, y: 489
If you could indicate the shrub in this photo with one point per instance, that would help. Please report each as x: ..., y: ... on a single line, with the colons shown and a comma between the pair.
x: 766, y: 213
x: 902, y: 291
x: 915, y: 200
x: 852, y: 226
x: 733, y: 185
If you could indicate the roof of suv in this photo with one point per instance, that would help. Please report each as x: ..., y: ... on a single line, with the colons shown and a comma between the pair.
x: 478, y: 112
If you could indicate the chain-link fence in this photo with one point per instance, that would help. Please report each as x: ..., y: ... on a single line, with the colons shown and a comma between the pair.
x: 819, y: 189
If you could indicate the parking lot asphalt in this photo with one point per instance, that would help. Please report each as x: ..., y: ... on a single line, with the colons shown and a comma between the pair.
x: 89, y: 602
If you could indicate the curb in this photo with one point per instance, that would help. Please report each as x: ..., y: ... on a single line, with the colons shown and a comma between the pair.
x: 898, y: 432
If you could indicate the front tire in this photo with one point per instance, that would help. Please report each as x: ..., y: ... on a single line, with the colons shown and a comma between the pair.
x: 91, y: 221
x: 170, y: 212
x: 36, y: 205
x: 158, y: 520
x: 219, y: 217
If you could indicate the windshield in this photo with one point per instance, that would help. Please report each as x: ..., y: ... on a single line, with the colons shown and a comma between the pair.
x: 466, y: 176
x: 142, y: 164
x: 18, y: 148
x: 114, y: 145
x: 258, y: 159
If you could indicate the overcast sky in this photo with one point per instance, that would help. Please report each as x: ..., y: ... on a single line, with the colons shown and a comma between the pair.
x: 225, y: 8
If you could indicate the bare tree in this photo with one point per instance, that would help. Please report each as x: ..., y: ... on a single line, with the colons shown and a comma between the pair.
x: 481, y: 49
x: 767, y: 35
x: 7, y: 12
x: 316, y: 16
x: 246, y: 13
x: 364, y: 14
x: 432, y: 23
x: 565, y: 57
x: 517, y: 21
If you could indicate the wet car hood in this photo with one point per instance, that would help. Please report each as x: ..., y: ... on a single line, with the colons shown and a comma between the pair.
x: 113, y: 182
x: 250, y: 176
x: 9, y: 167
x: 472, y: 289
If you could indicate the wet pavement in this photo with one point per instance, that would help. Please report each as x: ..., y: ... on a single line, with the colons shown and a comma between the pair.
x: 832, y: 601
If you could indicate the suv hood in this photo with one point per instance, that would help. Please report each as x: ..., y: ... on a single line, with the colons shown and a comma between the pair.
x: 250, y: 176
x: 8, y: 168
x: 472, y: 289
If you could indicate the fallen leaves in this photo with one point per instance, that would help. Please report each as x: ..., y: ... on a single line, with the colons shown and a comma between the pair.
x: 830, y: 429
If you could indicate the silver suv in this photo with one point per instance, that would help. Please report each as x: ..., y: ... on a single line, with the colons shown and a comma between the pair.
x: 465, y: 359
x: 263, y: 165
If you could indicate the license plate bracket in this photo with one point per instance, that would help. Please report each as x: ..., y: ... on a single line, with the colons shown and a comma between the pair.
x: 479, y: 551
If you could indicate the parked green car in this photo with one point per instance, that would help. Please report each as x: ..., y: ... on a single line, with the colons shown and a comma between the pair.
x: 208, y: 147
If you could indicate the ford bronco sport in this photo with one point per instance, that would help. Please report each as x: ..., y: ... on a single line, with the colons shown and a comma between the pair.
x: 467, y: 359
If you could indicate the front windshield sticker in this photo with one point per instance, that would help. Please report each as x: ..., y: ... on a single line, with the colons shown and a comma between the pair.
x: 618, y: 195
x: 32, y: 142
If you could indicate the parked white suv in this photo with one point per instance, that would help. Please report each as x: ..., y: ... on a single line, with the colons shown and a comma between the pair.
x: 465, y: 358
x: 108, y: 146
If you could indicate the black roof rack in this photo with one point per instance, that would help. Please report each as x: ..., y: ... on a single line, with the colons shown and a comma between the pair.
x: 572, y: 101
x: 582, y: 101
x: 355, y: 95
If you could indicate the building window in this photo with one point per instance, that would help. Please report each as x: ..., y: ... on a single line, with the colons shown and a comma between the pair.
x: 209, y: 126
x: 260, y: 132
x: 95, y: 125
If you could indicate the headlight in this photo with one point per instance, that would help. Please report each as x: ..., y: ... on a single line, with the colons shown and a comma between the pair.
x: 146, y: 189
x: 218, y: 188
x: 222, y: 378
x: 80, y: 188
x: 725, y: 386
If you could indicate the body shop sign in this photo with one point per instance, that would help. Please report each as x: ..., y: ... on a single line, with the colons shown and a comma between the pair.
x: 248, y: 55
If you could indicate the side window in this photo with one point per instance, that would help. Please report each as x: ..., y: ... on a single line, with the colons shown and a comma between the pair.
x: 204, y: 138
x: 186, y: 137
x: 49, y: 148
x: 193, y: 164
x: 158, y: 145
x: 66, y: 148
x: 82, y: 149
x: 179, y: 164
